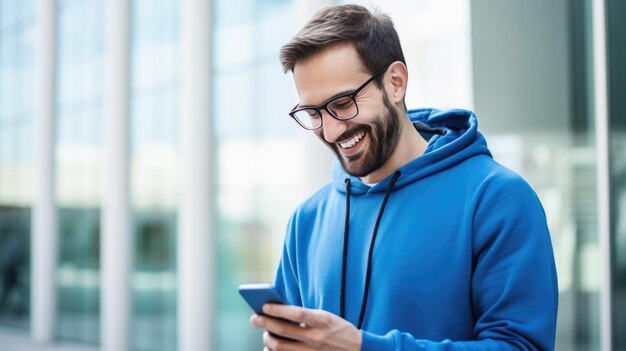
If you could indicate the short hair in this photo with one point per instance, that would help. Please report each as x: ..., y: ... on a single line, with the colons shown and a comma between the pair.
x: 373, y: 35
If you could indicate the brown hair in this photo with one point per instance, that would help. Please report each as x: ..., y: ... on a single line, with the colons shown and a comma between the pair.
x: 373, y: 36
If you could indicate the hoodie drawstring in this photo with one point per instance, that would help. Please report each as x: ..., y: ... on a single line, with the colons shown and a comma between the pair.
x: 344, y: 261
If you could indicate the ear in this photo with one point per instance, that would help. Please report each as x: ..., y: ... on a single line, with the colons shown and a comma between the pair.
x: 396, y: 81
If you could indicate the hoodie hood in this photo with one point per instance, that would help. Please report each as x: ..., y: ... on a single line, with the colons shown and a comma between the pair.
x: 460, y: 141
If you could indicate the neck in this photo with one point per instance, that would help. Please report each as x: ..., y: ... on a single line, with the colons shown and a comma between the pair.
x: 410, y: 146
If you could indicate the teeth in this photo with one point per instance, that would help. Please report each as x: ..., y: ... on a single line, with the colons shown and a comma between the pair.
x: 350, y: 143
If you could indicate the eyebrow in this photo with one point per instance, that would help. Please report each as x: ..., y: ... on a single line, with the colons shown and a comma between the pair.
x: 342, y: 93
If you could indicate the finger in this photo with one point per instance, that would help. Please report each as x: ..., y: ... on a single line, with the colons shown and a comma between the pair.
x: 276, y: 343
x: 254, y: 320
x: 298, y: 314
x: 280, y: 328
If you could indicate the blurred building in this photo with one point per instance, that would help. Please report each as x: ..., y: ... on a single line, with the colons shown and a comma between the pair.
x: 148, y: 165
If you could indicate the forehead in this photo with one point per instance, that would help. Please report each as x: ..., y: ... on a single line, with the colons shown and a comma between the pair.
x: 331, y: 71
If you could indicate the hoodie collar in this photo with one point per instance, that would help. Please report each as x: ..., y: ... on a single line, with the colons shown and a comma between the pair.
x: 460, y: 141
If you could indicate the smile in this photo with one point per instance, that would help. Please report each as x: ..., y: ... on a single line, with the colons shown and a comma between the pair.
x: 353, y: 141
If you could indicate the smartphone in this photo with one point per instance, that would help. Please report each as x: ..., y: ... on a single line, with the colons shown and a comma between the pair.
x: 257, y: 295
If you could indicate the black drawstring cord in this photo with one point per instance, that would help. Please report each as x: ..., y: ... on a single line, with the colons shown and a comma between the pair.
x: 368, y: 272
x: 345, y: 251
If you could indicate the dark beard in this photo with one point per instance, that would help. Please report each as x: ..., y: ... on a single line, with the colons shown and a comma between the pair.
x: 383, y: 133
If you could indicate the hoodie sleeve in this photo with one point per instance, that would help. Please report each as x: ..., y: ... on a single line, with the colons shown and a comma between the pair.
x: 286, y: 282
x: 514, y: 289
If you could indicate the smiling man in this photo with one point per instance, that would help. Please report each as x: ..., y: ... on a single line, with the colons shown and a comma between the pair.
x: 366, y: 148
x: 421, y: 241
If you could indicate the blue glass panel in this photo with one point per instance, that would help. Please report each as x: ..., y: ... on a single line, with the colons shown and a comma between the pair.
x: 8, y: 13
x: 78, y: 167
x: 154, y: 171
x: 16, y: 159
x: 251, y: 98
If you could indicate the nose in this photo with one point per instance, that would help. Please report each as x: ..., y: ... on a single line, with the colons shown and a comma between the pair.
x: 332, y: 128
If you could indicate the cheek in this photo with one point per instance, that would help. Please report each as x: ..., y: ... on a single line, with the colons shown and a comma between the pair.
x: 367, y: 118
x: 369, y: 112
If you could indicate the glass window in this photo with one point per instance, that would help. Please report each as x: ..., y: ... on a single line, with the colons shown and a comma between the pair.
x: 154, y: 173
x: 254, y: 137
x: 80, y: 41
x: 16, y: 159
x: 533, y: 94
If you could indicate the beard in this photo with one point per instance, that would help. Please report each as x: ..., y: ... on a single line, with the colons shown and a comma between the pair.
x: 383, y: 133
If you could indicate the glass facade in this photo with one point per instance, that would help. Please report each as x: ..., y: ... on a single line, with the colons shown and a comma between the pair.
x: 78, y: 159
x: 154, y: 164
x: 17, y: 20
x: 533, y: 90
x: 251, y: 99
x: 530, y: 85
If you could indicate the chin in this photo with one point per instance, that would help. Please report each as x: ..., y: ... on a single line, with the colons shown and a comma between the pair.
x: 355, y: 170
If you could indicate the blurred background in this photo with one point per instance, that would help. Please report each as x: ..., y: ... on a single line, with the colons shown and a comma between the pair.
x: 528, y: 68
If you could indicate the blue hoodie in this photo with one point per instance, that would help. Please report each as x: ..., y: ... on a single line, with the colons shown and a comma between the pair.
x: 462, y: 257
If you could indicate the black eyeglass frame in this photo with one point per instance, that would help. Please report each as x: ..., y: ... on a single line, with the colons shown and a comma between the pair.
x: 324, y: 106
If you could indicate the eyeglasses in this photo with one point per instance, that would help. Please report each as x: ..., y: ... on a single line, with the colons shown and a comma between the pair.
x: 342, y: 107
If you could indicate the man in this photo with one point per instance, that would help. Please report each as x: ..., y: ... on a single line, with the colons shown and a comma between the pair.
x: 421, y: 241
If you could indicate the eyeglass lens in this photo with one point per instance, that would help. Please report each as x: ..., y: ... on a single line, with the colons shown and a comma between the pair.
x: 343, y: 107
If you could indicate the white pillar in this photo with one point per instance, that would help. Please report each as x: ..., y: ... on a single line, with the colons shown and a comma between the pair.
x: 117, y: 239
x: 44, y: 219
x: 601, y: 105
x: 196, y: 258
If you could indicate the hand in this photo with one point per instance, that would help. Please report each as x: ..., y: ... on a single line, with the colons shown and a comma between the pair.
x: 317, y: 330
